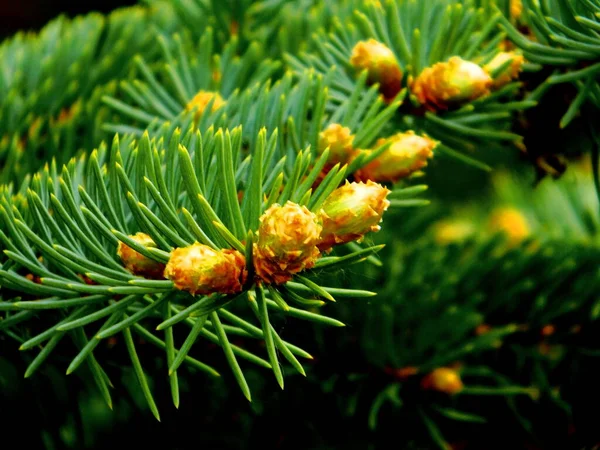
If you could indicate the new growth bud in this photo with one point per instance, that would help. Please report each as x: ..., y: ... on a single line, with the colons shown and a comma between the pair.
x: 509, y: 73
x: 339, y: 139
x: 443, y: 379
x: 451, y: 83
x: 516, y: 9
x: 453, y: 230
x: 381, y: 64
x: 135, y: 262
x: 351, y: 211
x: 511, y: 222
x: 201, y: 101
x: 202, y: 270
x: 286, y: 243
x: 407, y: 153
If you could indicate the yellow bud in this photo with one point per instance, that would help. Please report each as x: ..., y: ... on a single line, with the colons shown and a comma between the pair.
x: 351, y: 211
x: 135, y: 262
x: 511, y: 222
x: 286, y: 243
x: 509, y: 73
x: 381, y: 64
x: 443, y: 379
x: 202, y: 270
x: 200, y: 102
x: 449, y: 231
x: 451, y: 83
x: 339, y: 140
x: 407, y: 154
x: 516, y: 9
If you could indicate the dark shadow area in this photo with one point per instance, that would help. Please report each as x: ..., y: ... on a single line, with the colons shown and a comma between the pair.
x: 17, y: 15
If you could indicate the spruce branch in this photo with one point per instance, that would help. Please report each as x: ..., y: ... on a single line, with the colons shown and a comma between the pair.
x: 90, y: 243
x: 415, y: 39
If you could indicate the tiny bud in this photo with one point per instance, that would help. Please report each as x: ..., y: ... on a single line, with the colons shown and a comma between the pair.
x: 287, y: 242
x: 548, y: 330
x: 511, y: 222
x: 351, y: 211
x: 482, y: 328
x: 516, y: 9
x: 451, y: 83
x: 201, y: 101
x: 510, y: 73
x: 34, y: 278
x: 86, y: 279
x: 452, y: 231
x: 402, y: 373
x: 443, y: 379
x: 407, y: 154
x: 381, y: 64
x: 339, y: 140
x: 202, y: 270
x: 135, y: 262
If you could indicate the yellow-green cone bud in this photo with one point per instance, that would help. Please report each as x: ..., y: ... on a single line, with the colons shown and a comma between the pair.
x: 516, y: 9
x: 443, y: 379
x: 135, y: 262
x: 509, y: 73
x: 407, y: 153
x: 339, y: 140
x: 451, y: 83
x: 201, y: 101
x: 381, y: 64
x: 286, y: 243
x: 453, y: 230
x: 511, y: 222
x: 351, y: 211
x: 202, y: 270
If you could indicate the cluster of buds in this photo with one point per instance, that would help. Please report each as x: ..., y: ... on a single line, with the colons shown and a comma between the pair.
x: 510, y: 72
x: 200, y: 269
x: 197, y: 268
x: 443, y: 379
x: 291, y: 238
x: 138, y: 264
x: 381, y: 65
x: 406, y: 154
x: 200, y: 103
x: 451, y: 83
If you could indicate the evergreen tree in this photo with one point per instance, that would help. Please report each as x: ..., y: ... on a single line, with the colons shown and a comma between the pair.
x: 397, y: 200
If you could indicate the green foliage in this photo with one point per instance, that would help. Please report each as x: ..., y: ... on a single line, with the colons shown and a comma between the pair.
x: 66, y: 231
x: 493, y: 307
x: 563, y: 36
x: 102, y: 135
x: 51, y: 84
